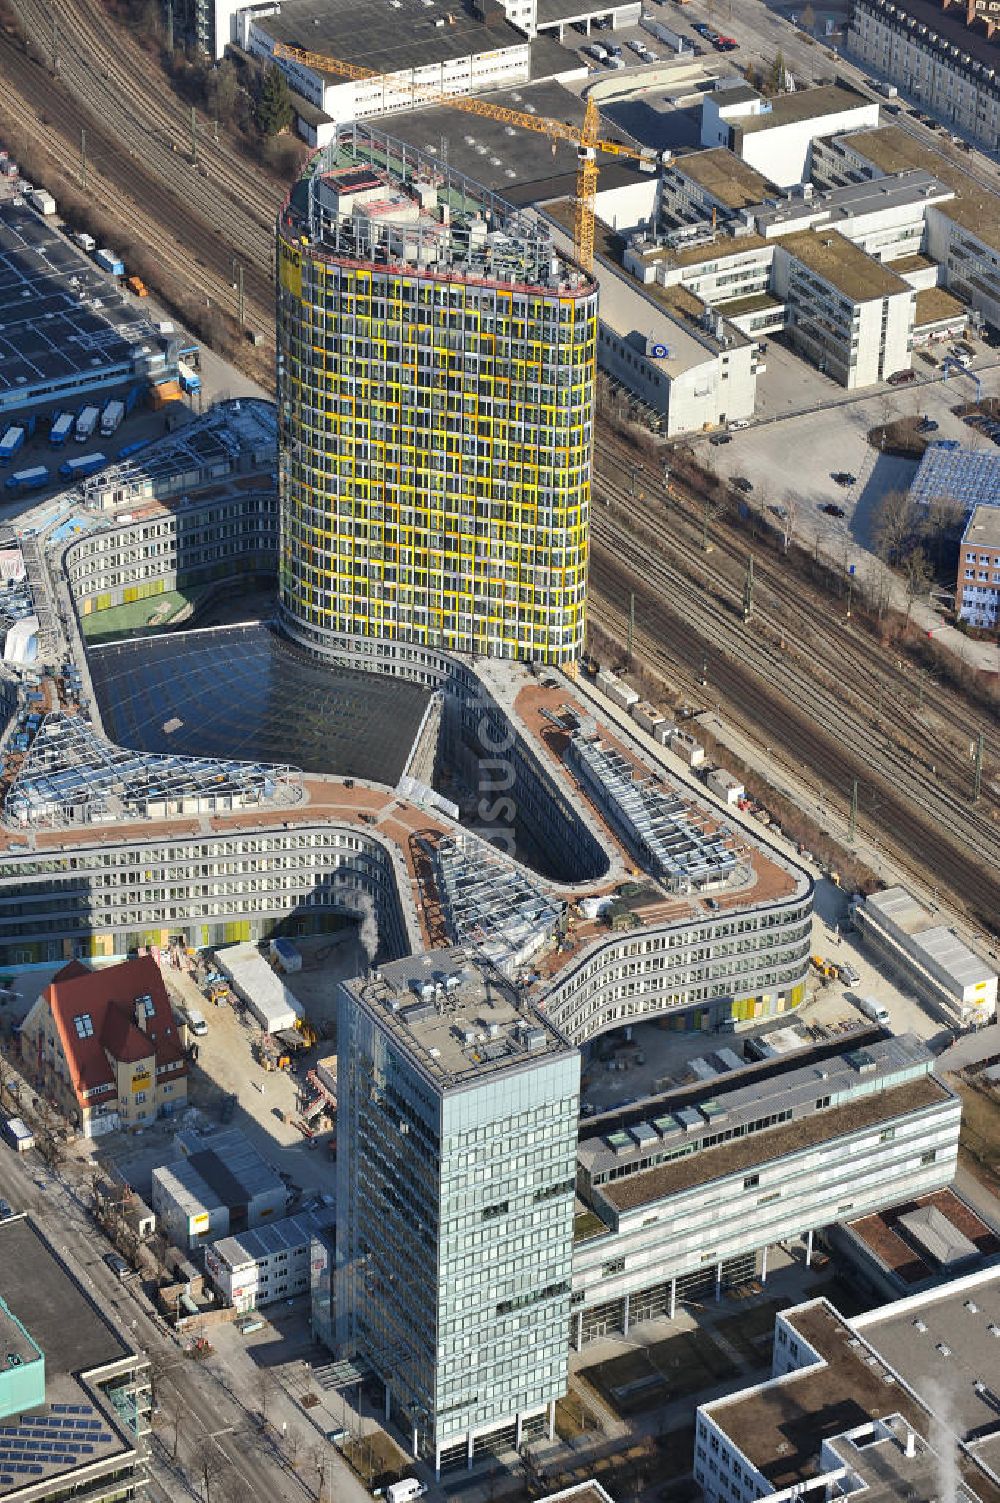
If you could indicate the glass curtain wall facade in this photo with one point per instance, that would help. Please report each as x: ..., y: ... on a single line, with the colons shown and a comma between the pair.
x: 454, y: 1237
x: 436, y: 391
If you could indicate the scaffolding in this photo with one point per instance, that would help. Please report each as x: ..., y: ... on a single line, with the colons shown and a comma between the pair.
x: 491, y: 906
x: 669, y: 837
x: 72, y: 775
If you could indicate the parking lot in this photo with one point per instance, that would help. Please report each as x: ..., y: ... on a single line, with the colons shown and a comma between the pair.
x: 792, y: 460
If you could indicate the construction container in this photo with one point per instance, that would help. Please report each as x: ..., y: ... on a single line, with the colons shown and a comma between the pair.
x: 285, y: 955
x: 163, y: 393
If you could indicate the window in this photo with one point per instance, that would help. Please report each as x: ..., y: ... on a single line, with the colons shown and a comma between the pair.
x: 84, y: 1025
x: 751, y: 1181
x: 928, y: 1157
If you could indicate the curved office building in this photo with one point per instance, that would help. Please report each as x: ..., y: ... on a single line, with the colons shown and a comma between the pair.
x: 436, y: 368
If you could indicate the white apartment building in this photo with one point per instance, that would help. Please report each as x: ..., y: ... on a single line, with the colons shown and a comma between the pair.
x: 961, y: 233
x: 689, y: 366
x: 269, y: 1263
x: 775, y: 136
x: 851, y: 316
x: 687, y: 1191
x: 934, y: 58
x: 885, y: 1405
x: 844, y: 310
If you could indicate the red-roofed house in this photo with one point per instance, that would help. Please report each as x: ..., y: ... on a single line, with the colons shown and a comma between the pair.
x: 105, y: 1048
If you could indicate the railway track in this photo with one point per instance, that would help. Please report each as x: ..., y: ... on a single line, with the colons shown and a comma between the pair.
x: 200, y: 255
x: 845, y: 657
x: 929, y: 827
x: 105, y: 83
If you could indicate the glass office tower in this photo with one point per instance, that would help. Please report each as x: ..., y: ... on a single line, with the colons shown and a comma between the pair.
x: 457, y: 1119
x: 436, y: 369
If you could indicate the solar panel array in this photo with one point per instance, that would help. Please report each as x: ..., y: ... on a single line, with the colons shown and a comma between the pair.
x: 67, y: 1436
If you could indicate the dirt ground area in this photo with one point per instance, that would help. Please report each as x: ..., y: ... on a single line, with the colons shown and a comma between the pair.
x: 979, y: 1143
x: 267, y: 1102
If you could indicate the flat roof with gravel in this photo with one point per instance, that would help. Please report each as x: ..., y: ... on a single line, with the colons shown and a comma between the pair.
x: 843, y: 264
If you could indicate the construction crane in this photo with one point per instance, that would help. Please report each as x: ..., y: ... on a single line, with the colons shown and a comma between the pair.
x: 585, y: 137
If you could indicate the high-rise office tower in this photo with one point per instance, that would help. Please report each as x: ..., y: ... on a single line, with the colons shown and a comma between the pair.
x: 436, y: 367
x: 457, y: 1124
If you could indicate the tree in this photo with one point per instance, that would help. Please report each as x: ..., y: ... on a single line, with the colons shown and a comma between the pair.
x: 210, y: 1463
x: 808, y: 19
x: 778, y: 72
x: 274, y: 105
x: 892, y: 525
x: 264, y: 1389
x: 918, y: 576
x: 222, y: 90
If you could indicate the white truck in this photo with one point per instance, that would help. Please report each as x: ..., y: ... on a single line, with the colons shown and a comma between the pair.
x: 18, y: 1134
x: 39, y: 199
x: 405, y: 1490
x: 86, y: 423
x: 84, y: 241
x: 111, y: 418
x: 873, y: 1010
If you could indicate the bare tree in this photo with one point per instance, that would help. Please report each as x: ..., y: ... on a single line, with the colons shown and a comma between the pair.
x: 893, y: 525
x: 210, y: 1464
x: 320, y: 1462
x: 264, y: 1391
x: 917, y: 574
x: 169, y: 1419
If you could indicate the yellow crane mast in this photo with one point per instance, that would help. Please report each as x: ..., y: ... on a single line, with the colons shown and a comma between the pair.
x: 586, y: 137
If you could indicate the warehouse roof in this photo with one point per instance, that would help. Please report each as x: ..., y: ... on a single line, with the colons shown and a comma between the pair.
x: 60, y: 318
x: 843, y: 264
x: 222, y: 1169
x: 390, y: 36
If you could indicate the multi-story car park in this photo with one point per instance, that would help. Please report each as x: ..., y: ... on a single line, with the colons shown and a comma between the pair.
x: 436, y: 487
x: 686, y: 1190
x: 934, y: 58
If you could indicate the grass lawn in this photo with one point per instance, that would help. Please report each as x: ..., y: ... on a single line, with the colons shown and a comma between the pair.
x: 133, y: 619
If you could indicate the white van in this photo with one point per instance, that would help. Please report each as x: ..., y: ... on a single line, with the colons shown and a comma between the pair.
x: 597, y: 52
x: 196, y: 1022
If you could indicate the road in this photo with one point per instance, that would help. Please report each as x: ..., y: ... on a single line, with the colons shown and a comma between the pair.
x: 215, y: 1408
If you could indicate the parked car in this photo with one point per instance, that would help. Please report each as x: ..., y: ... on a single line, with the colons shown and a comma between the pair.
x: 6, y: 1210
x: 118, y: 1266
x: 844, y: 478
x: 741, y: 483
x: 833, y: 511
x: 927, y: 425
x: 649, y: 55
x: 721, y: 438
x: 637, y: 46
x: 902, y: 378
